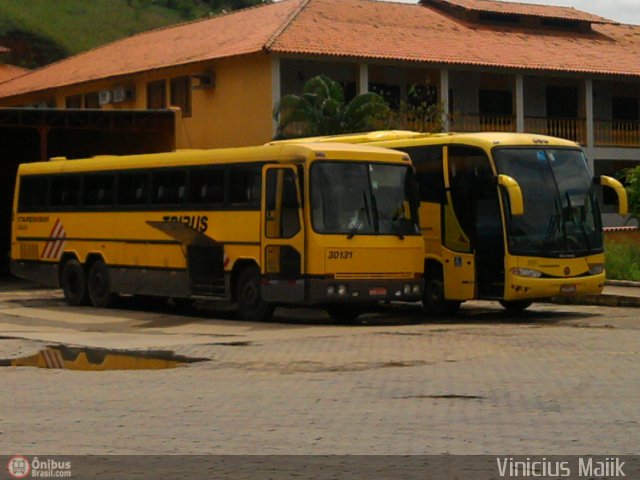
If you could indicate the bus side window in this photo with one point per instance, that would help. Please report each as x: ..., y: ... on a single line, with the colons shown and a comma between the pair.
x: 98, y: 190
x: 33, y: 193
x: 132, y: 188
x: 429, y: 175
x: 245, y: 186
x: 168, y: 187
x: 206, y: 186
x: 65, y: 191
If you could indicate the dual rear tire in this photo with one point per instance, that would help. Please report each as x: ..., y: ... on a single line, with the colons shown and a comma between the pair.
x: 82, y: 288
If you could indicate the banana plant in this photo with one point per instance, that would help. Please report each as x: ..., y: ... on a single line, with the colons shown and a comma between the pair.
x: 321, y: 110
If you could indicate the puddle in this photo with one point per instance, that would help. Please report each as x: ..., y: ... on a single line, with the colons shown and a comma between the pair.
x: 442, y: 397
x: 240, y: 343
x: 100, y: 359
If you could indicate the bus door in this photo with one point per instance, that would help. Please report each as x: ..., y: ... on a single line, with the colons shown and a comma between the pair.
x: 473, y: 224
x: 282, y: 235
x: 457, y: 253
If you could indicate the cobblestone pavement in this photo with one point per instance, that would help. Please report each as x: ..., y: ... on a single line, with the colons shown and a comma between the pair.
x: 555, y: 380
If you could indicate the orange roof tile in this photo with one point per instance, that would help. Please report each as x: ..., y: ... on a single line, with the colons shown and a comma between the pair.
x: 526, y: 9
x: 9, y: 72
x: 370, y: 29
x: 365, y: 29
x: 237, y: 33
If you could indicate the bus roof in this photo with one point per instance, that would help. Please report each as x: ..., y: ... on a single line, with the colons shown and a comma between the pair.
x: 282, y: 152
x: 404, y: 138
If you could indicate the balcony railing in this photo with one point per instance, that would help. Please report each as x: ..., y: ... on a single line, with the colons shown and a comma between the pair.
x: 482, y: 123
x: 570, y: 128
x: 607, y: 133
x: 617, y: 133
x: 409, y: 121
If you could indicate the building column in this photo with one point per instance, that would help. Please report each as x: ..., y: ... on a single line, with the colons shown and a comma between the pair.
x: 519, y: 103
x: 363, y: 78
x: 276, y: 92
x: 444, y: 98
x: 588, y: 107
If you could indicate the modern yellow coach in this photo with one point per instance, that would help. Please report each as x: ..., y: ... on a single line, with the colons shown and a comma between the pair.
x: 505, y: 216
x: 310, y: 224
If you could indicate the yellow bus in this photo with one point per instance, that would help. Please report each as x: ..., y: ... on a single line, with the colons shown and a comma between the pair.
x: 308, y: 224
x: 504, y: 216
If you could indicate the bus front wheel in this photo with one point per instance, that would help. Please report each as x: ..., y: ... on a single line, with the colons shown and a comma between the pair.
x: 100, y: 291
x: 251, y: 306
x: 74, y: 283
x: 515, y: 306
x: 433, y: 299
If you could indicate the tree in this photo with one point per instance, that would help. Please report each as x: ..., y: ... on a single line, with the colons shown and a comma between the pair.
x: 321, y: 110
x: 632, y: 177
x: 421, y: 111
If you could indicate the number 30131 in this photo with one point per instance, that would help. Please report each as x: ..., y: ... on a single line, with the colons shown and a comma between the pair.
x: 340, y: 254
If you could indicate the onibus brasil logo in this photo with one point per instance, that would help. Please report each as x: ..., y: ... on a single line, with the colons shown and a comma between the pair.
x: 21, y: 467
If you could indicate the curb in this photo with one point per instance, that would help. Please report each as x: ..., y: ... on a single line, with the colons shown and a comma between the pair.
x: 622, y: 283
x: 599, y: 300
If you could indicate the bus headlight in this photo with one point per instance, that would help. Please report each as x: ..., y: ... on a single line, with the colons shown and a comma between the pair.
x: 526, y: 272
x: 331, y: 290
x: 416, y: 289
x: 342, y: 290
x: 407, y: 289
x: 596, y: 268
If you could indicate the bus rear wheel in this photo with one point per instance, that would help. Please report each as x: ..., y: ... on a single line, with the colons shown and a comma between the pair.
x: 433, y: 300
x: 251, y: 306
x: 100, y: 292
x: 515, y: 306
x: 74, y: 283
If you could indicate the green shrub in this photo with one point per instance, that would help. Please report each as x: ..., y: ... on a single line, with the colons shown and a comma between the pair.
x: 632, y: 177
x: 622, y: 261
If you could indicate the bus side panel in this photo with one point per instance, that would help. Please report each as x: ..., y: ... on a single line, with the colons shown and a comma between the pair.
x: 430, y: 225
x: 143, y: 281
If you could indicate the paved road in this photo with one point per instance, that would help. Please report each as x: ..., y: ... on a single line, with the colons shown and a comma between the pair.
x: 556, y: 380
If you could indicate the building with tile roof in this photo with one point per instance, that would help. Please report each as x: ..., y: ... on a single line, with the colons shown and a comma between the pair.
x: 7, y: 71
x: 492, y: 65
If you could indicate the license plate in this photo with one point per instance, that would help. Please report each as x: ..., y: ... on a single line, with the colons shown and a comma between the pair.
x: 378, y: 291
x: 568, y: 289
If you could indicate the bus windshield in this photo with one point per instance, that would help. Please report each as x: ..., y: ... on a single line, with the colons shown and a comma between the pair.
x: 561, y: 213
x: 359, y: 198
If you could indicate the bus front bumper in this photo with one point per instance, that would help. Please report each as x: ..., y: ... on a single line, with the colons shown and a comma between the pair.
x: 365, y: 290
x: 523, y: 288
x: 315, y: 291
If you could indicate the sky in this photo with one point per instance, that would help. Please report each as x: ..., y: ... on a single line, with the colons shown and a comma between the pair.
x: 624, y: 11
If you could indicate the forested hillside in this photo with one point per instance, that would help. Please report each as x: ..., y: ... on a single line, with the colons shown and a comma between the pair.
x: 42, y: 31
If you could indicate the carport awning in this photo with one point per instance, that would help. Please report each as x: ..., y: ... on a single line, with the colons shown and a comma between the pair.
x: 88, y: 132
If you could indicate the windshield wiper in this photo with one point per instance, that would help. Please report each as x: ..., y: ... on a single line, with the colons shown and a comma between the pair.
x: 553, y: 226
x: 577, y: 218
x: 360, y: 217
x: 399, y: 215
x: 374, y: 208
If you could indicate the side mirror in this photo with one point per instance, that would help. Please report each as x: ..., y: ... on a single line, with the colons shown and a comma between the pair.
x: 621, y: 193
x: 514, y: 192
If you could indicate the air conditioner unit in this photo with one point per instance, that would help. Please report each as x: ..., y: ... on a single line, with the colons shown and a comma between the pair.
x: 123, y: 94
x: 204, y: 80
x: 117, y: 94
x: 104, y: 97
